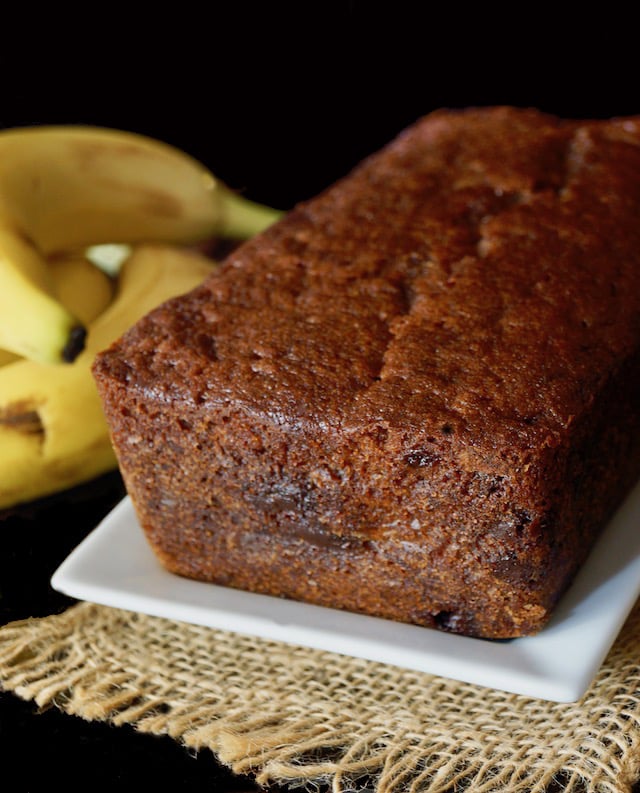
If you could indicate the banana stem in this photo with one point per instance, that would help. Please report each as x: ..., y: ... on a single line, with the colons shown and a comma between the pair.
x: 242, y: 218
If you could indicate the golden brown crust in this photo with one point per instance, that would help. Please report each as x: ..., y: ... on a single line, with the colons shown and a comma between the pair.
x: 414, y: 396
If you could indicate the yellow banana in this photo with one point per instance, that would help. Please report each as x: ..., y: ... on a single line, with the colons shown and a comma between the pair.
x: 53, y: 434
x: 80, y: 286
x: 68, y: 187
x: 33, y: 323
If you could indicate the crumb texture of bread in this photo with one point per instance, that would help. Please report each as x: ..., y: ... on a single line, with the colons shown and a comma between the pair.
x: 414, y: 397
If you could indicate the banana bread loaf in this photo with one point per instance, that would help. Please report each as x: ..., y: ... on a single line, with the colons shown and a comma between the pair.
x: 414, y: 397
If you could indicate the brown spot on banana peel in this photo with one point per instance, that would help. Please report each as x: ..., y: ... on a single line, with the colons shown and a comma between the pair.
x: 156, y: 203
x: 22, y: 417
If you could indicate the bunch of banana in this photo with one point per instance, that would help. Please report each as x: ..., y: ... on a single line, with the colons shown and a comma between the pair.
x: 52, y: 430
x: 64, y: 190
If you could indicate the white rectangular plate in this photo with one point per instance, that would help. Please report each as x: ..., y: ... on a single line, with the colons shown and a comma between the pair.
x: 114, y: 566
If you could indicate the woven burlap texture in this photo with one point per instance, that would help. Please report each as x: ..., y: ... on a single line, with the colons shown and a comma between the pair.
x: 293, y: 715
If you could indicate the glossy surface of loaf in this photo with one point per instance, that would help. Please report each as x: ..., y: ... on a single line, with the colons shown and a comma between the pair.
x: 414, y: 397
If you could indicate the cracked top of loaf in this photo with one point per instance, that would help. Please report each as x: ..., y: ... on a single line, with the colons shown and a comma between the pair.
x: 477, y: 278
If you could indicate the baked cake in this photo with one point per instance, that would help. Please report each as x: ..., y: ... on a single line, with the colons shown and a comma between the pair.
x: 414, y: 397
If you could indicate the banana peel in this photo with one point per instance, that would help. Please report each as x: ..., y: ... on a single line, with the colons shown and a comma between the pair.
x: 34, y: 322
x: 80, y: 286
x: 53, y: 433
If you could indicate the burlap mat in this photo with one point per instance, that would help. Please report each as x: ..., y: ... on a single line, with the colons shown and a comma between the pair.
x: 293, y: 715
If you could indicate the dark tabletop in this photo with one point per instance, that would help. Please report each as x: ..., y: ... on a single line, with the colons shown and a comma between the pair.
x: 278, y: 100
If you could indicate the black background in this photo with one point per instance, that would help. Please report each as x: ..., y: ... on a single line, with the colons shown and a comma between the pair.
x: 278, y: 100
